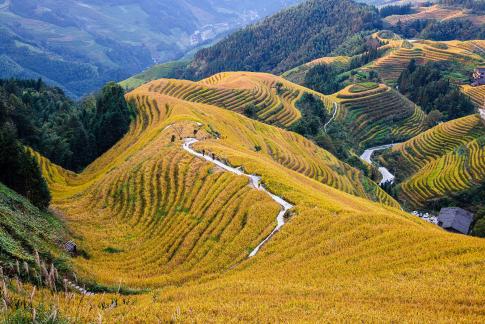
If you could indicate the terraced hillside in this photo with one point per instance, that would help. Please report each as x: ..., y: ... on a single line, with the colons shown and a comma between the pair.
x: 273, y: 97
x: 151, y: 215
x: 209, y: 220
x: 437, y: 12
x: 390, y: 66
x: 476, y: 94
x: 377, y: 114
x: 447, y: 158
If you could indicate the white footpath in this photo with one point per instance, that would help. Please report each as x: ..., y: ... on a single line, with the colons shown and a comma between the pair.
x: 255, y: 183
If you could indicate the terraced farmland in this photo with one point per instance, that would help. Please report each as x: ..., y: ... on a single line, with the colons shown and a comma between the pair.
x: 150, y: 215
x: 447, y: 158
x: 476, y: 94
x: 379, y: 115
x: 391, y: 66
x: 273, y: 97
x: 155, y: 195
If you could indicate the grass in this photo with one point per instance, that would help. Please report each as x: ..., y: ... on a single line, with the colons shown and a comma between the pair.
x: 341, y: 257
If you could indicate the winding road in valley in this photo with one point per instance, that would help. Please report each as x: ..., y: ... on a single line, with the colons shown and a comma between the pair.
x: 335, y: 110
x: 255, y: 182
x: 367, y: 157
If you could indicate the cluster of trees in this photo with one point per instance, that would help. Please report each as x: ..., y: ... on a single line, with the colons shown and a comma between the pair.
x: 477, y: 6
x: 428, y: 87
x: 71, y: 134
x: 460, y: 29
x: 288, y: 39
x: 313, y: 114
x: 329, y: 78
x: 18, y: 169
x: 395, y: 10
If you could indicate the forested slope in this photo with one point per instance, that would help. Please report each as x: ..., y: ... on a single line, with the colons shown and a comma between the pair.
x: 287, y: 39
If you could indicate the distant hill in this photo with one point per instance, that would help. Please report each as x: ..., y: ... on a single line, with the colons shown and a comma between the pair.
x: 287, y: 39
x: 81, y: 45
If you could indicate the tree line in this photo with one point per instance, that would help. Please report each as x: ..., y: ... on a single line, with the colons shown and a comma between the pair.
x: 70, y: 134
x: 428, y: 87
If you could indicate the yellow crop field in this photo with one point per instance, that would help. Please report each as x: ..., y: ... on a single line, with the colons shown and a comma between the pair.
x: 391, y: 65
x: 437, y: 12
x: 273, y: 97
x: 151, y: 216
x: 379, y: 114
x: 446, y: 158
x: 476, y: 94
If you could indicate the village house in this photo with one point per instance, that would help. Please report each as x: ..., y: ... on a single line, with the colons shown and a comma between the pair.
x: 479, y: 76
x: 455, y: 220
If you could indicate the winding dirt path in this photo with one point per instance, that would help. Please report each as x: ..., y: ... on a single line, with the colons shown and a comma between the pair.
x: 255, y: 182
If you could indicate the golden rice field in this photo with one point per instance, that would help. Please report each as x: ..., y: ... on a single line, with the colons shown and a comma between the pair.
x: 446, y: 158
x: 273, y: 97
x: 390, y: 66
x: 379, y: 115
x: 476, y: 94
x: 437, y: 12
x: 152, y: 216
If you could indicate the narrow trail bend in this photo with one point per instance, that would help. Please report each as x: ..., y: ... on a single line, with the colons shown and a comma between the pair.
x: 335, y: 110
x: 255, y: 183
x: 367, y: 157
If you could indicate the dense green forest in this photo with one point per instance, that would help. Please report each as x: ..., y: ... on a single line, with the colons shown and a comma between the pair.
x: 287, y: 39
x: 453, y: 29
x: 478, y: 6
x: 330, y: 78
x: 18, y: 169
x: 395, y: 10
x: 71, y: 134
x: 428, y: 87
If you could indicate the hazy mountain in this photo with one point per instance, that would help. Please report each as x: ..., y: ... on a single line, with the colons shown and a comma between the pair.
x: 83, y: 43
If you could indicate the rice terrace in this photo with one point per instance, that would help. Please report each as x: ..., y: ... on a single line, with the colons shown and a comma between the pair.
x: 271, y: 163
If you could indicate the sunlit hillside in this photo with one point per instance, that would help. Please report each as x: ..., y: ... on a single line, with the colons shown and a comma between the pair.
x: 447, y: 158
x: 377, y: 114
x: 151, y: 216
x: 391, y: 65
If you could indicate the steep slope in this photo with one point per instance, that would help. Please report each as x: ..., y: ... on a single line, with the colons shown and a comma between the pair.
x: 149, y: 214
x: 448, y: 158
x: 376, y: 114
x: 209, y: 219
x: 390, y: 66
x: 287, y: 39
x: 25, y: 229
x: 273, y: 98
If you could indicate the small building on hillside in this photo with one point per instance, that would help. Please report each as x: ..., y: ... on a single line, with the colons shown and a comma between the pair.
x: 455, y: 220
x: 482, y: 113
x: 479, y: 76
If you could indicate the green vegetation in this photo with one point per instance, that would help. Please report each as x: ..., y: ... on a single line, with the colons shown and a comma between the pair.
x: 19, y: 170
x: 287, y: 39
x: 313, y: 116
x: 70, y: 134
x: 331, y: 78
x: 25, y: 229
x: 429, y: 88
x: 166, y: 70
x: 396, y: 10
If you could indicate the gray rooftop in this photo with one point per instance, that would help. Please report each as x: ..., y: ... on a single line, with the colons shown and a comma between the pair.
x: 455, y: 219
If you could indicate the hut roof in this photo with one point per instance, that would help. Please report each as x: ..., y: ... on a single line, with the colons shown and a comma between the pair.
x: 456, y: 219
